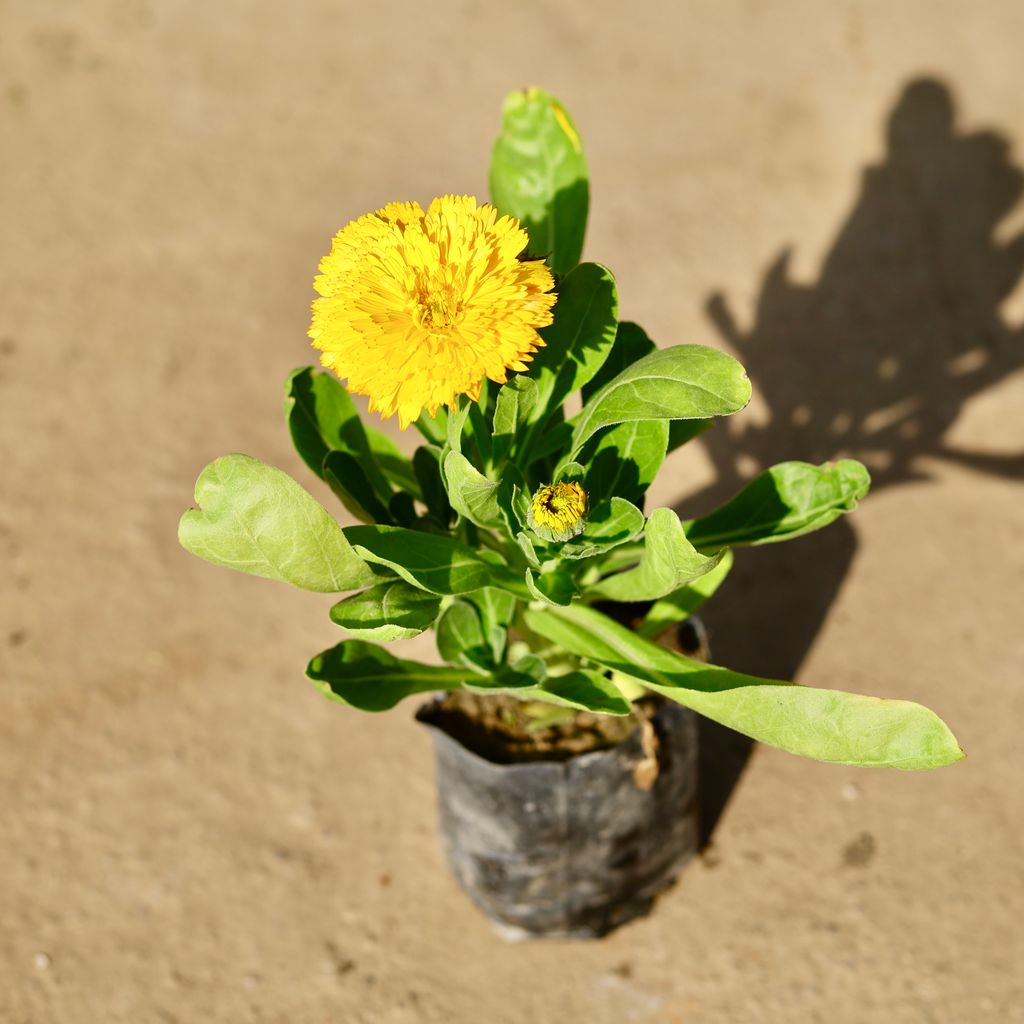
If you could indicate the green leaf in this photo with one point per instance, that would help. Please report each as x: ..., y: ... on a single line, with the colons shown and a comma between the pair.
x: 513, y: 407
x: 256, y: 519
x: 555, y: 586
x: 426, y: 463
x: 582, y: 689
x: 392, y: 610
x: 394, y: 464
x: 827, y: 725
x: 539, y: 175
x: 631, y: 344
x: 526, y: 546
x: 402, y: 509
x: 785, y: 501
x: 439, y: 564
x: 668, y: 561
x: 323, y: 418
x: 682, y: 603
x: 472, y: 495
x: 683, y: 382
x: 496, y: 608
x: 344, y: 475
x: 681, y: 432
x: 578, y: 341
x: 626, y: 459
x: 367, y: 677
x: 457, y: 423
x: 460, y: 637
x: 609, y: 524
x: 433, y: 428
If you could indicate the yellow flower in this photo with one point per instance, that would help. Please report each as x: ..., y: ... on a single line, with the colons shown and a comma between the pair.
x: 418, y: 308
x: 558, y: 512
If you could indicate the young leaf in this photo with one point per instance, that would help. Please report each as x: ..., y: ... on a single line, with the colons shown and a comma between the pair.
x: 626, y: 459
x: 526, y: 546
x: 668, y: 561
x: 456, y: 423
x: 683, y: 382
x: 680, y: 604
x: 578, y: 341
x: 827, y: 725
x: 539, y: 175
x: 785, y: 501
x: 460, y: 637
x: 392, y: 610
x: 609, y: 524
x: 439, y: 564
x: 323, y: 418
x: 471, y: 494
x: 553, y: 587
x: 256, y: 519
x: 367, y: 677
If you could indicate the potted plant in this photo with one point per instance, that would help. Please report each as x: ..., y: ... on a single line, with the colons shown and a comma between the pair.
x: 517, y: 533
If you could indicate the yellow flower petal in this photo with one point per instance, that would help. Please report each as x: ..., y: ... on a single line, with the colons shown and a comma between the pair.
x: 417, y: 308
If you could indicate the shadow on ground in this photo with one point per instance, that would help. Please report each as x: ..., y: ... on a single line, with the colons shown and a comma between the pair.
x: 874, y: 361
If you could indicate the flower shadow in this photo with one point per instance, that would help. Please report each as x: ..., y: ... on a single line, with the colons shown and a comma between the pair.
x: 875, y: 361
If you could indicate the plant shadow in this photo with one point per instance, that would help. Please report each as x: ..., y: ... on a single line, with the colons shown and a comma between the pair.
x: 874, y: 361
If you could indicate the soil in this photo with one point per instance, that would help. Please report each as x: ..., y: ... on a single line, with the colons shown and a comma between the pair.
x: 189, y: 830
x: 501, y: 729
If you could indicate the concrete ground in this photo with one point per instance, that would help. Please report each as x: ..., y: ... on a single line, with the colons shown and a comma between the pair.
x: 189, y: 832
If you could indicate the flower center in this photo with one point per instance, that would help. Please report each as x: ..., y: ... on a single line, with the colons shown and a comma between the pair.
x: 437, y: 309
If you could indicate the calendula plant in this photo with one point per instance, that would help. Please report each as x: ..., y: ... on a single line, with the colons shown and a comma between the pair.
x: 515, y: 522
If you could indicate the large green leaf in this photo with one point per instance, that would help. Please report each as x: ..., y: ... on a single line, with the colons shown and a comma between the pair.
x: 367, y: 677
x: 609, y: 524
x: 472, y: 495
x: 439, y: 564
x: 683, y: 382
x: 256, y: 519
x: 578, y: 341
x: 392, y: 610
x: 582, y: 689
x: 323, y: 418
x: 539, y: 175
x: 626, y: 460
x: 631, y: 344
x: 785, y: 501
x: 680, y: 604
x: 827, y: 725
x: 668, y: 561
x: 512, y: 409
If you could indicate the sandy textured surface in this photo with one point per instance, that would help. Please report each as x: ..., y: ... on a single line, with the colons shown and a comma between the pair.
x: 189, y: 832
